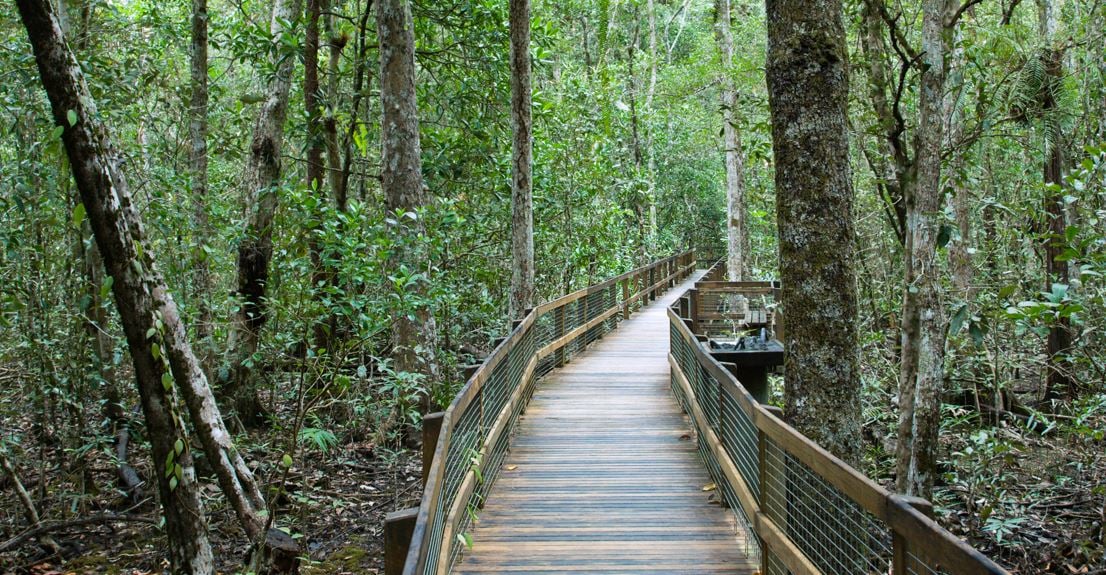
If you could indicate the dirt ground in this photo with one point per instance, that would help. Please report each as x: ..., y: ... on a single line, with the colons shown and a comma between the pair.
x: 335, y: 508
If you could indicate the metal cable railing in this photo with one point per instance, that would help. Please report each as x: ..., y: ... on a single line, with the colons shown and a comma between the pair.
x: 803, y: 510
x: 476, y: 428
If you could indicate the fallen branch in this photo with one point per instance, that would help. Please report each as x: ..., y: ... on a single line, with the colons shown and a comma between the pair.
x: 52, y: 526
x: 28, y: 506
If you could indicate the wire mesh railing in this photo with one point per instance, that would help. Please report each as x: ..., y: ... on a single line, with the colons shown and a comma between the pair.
x: 476, y: 427
x: 802, y: 510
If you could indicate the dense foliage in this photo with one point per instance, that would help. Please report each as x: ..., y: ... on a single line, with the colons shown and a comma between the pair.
x: 627, y: 166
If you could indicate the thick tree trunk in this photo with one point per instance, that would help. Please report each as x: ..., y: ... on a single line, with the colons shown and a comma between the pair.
x: 522, y: 203
x: 260, y: 185
x: 201, y: 274
x: 147, y: 311
x: 737, y: 240
x: 923, y: 337
x: 414, y: 334
x: 808, y: 85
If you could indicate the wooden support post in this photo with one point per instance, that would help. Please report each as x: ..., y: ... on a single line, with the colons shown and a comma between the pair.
x: 559, y: 332
x: 431, y: 429
x: 771, y: 480
x: 517, y: 322
x: 753, y: 378
x: 626, y: 299
x: 398, y: 527
x: 900, y: 556
x: 693, y: 311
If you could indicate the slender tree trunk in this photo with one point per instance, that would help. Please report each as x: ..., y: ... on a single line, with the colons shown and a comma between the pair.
x: 316, y: 182
x: 808, y: 88
x: 636, y: 147
x: 147, y: 311
x: 893, y: 165
x: 260, y: 186
x: 201, y: 273
x: 359, y: 82
x: 337, y: 43
x: 737, y: 240
x: 522, y: 203
x: 29, y: 509
x: 414, y: 334
x: 960, y: 251
x: 1058, y: 382
x: 650, y: 152
x: 923, y: 370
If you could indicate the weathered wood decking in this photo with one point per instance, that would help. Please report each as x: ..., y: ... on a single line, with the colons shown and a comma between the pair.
x: 603, y: 475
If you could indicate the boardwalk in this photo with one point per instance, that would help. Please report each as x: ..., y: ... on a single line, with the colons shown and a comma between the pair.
x: 603, y: 474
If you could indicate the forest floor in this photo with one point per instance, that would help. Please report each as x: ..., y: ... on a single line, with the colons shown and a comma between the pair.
x: 335, y: 508
x: 1035, y: 503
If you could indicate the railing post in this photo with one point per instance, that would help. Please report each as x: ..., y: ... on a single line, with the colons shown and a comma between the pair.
x: 584, y: 320
x: 770, y: 482
x: 693, y: 311
x: 398, y: 528
x: 431, y: 430
x: 558, y: 333
x: 900, y: 557
x: 626, y: 299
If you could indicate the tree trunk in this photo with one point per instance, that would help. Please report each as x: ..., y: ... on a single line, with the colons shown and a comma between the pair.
x: 636, y: 147
x: 1058, y: 382
x: 201, y: 274
x: 316, y: 184
x: 650, y: 152
x: 337, y: 43
x: 737, y: 240
x: 891, y: 177
x: 260, y: 185
x: 522, y: 204
x: 808, y: 85
x: 414, y: 334
x: 923, y: 336
x: 147, y: 311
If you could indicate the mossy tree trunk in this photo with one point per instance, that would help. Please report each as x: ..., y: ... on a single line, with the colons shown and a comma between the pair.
x: 808, y: 83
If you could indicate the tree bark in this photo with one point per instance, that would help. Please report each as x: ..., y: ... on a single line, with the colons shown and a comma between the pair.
x: 522, y: 203
x: 923, y: 337
x: 808, y: 85
x: 893, y: 165
x: 260, y: 184
x: 1058, y: 381
x: 316, y: 183
x: 414, y: 334
x: 737, y: 240
x: 201, y: 274
x: 153, y: 329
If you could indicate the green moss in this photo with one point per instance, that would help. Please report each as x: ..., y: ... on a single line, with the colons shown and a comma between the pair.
x: 345, y: 560
x: 92, y: 564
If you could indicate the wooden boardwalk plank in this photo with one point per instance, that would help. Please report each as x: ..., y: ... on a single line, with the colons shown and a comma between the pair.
x: 603, y: 474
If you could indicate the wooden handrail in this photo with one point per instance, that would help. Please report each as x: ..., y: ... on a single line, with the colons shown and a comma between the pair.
x: 672, y: 269
x: 925, y: 538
